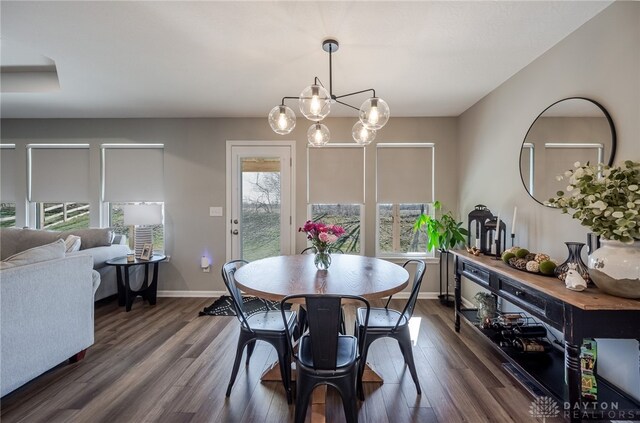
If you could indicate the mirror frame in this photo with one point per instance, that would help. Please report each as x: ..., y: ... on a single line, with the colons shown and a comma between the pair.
x: 611, y: 127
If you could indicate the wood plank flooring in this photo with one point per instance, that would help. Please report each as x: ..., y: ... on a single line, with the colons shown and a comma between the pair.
x: 167, y: 364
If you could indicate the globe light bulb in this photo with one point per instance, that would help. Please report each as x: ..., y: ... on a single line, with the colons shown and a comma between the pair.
x: 315, y: 107
x: 318, y: 135
x: 362, y: 135
x: 282, y: 121
x: 374, y: 115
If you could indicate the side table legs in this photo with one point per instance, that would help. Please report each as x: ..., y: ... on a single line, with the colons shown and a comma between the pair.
x: 126, y: 295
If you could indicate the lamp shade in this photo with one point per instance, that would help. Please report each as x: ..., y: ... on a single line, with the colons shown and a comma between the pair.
x: 142, y: 214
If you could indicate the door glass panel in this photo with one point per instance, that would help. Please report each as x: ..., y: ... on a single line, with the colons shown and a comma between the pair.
x: 260, y: 207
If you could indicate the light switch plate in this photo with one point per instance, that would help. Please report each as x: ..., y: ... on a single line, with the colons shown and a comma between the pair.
x: 215, y: 211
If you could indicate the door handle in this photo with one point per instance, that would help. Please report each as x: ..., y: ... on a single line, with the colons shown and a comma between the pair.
x: 234, y: 232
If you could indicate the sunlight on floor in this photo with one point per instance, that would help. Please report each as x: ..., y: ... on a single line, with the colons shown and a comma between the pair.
x: 414, y: 329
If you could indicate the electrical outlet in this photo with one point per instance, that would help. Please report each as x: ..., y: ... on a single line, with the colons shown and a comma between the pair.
x: 168, y: 259
x: 207, y: 269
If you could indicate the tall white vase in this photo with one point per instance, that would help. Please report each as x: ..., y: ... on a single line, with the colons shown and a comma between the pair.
x: 615, y: 268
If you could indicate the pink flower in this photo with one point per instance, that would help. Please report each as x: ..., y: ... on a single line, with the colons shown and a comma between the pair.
x: 324, y: 236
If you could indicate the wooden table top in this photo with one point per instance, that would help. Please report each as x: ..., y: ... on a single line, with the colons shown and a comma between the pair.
x: 274, y: 278
x: 590, y: 299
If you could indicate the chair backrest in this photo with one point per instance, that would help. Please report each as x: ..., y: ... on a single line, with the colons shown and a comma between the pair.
x: 407, y: 312
x: 228, y: 275
x: 324, y: 317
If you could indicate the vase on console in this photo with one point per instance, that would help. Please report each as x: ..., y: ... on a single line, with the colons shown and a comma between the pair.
x: 615, y: 268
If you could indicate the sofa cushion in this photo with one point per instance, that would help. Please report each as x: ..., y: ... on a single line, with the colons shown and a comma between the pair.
x: 101, y: 254
x: 51, y: 251
x: 6, y: 265
x: 9, y: 241
x: 92, y: 237
x: 72, y: 243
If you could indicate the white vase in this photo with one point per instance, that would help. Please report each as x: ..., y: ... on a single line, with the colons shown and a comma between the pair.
x: 615, y: 268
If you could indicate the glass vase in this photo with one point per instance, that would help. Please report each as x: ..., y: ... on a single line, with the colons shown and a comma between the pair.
x: 574, y: 259
x: 322, y: 259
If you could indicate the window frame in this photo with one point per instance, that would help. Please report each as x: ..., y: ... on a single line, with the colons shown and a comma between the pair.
x: 396, y: 254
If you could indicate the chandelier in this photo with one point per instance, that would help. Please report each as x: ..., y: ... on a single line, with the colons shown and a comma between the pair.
x: 315, y: 104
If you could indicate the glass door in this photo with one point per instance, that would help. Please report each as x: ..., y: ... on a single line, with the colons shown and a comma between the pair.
x: 260, y: 218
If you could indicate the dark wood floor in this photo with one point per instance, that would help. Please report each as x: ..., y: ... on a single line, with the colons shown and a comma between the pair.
x: 166, y: 364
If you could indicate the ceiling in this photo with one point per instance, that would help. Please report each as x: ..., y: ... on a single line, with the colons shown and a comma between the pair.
x: 237, y: 59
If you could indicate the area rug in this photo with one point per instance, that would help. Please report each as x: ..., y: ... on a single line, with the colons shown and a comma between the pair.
x: 224, y: 307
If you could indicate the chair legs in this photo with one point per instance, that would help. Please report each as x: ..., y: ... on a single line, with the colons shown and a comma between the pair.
x: 243, y: 338
x: 404, y: 342
x: 345, y: 385
x: 250, y: 346
x: 403, y: 337
x: 284, y: 358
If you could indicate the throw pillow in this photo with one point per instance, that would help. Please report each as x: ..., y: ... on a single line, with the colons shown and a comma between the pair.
x: 72, y: 243
x: 92, y: 237
x: 51, y: 251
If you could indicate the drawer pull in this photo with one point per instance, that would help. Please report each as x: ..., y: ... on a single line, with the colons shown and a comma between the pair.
x: 519, y: 293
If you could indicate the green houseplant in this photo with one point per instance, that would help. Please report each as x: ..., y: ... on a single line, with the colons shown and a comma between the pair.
x: 443, y: 233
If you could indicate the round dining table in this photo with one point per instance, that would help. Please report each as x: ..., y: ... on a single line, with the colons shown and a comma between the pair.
x: 274, y: 278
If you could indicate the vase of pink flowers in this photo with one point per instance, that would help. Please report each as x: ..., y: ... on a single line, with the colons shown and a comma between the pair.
x: 322, y: 236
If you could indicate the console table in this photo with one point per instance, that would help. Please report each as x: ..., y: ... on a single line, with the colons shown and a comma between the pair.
x: 578, y: 315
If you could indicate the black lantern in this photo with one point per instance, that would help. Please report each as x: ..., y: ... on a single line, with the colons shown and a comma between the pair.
x: 478, y: 219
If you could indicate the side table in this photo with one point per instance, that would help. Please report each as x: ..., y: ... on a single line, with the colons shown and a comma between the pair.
x: 149, y: 292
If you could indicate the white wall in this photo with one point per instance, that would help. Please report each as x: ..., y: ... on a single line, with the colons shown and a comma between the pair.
x: 601, y: 61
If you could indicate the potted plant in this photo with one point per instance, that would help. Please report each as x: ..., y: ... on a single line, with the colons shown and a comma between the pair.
x: 607, y: 200
x: 443, y: 233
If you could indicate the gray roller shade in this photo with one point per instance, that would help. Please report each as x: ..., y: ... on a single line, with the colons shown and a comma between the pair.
x: 133, y: 173
x: 59, y: 173
x: 336, y: 175
x: 404, y: 173
x: 8, y: 179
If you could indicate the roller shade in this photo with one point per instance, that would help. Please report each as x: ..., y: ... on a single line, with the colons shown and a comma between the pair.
x: 336, y: 175
x: 8, y: 167
x: 404, y: 173
x: 59, y: 173
x: 133, y: 173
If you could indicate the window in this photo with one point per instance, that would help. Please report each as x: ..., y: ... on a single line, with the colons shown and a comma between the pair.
x: 132, y: 174
x: 7, y: 215
x: 346, y: 215
x: 62, y: 216
x: 404, y: 190
x: 116, y: 221
x: 335, y: 190
x: 395, y: 229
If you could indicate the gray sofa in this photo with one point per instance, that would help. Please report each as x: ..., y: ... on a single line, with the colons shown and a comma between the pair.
x: 99, y: 243
x: 46, y: 316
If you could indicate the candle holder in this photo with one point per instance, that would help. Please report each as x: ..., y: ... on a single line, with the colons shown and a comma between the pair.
x: 495, y: 236
x: 478, y: 219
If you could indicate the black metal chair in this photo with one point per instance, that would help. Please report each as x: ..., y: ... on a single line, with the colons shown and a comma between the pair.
x: 388, y: 322
x: 269, y: 326
x: 325, y: 356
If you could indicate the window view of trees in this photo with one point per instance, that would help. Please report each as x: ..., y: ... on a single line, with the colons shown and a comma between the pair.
x: 345, y: 215
x: 117, y: 223
x: 395, y: 228
x: 62, y: 216
x: 7, y: 215
x: 260, y: 217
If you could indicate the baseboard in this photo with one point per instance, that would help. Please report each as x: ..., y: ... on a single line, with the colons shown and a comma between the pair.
x: 214, y: 294
x: 192, y: 294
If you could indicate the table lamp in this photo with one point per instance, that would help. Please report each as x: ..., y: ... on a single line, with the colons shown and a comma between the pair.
x: 141, y: 217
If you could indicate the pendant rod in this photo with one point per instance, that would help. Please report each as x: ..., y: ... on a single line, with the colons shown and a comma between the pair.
x: 330, y: 72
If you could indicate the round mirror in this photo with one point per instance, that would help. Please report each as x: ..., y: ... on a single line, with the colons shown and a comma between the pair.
x: 570, y: 130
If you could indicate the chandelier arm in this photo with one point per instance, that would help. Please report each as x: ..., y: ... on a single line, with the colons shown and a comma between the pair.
x: 358, y: 92
x: 317, y: 81
x: 288, y: 98
x: 348, y: 105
